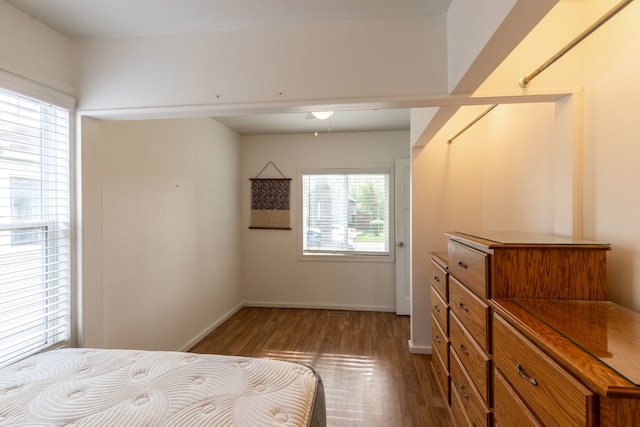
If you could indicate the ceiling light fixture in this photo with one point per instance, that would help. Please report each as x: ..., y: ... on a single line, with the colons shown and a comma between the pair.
x: 322, y: 115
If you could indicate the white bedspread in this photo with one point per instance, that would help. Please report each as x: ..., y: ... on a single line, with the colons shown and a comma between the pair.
x: 70, y: 387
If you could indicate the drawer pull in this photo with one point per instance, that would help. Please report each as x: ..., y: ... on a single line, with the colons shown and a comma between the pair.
x: 463, y: 392
x: 462, y: 264
x: 437, y: 368
x: 463, y: 307
x: 524, y: 375
x: 436, y: 278
x: 437, y: 338
x: 436, y: 308
x: 464, y: 350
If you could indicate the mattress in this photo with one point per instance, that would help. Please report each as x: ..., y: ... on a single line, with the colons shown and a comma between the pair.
x: 91, y: 387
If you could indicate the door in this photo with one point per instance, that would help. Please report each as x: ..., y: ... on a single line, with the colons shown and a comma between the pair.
x: 403, y: 236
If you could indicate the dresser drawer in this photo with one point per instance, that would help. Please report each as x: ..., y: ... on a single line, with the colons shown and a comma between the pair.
x: 440, y: 342
x: 554, y: 396
x: 460, y: 418
x: 472, y: 403
x: 441, y: 373
x: 508, y: 409
x: 458, y: 414
x: 472, y: 312
x: 470, y: 267
x: 439, y: 279
x: 475, y: 361
x: 440, y: 310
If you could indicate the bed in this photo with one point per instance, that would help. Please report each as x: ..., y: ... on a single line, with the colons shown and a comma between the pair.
x: 94, y: 387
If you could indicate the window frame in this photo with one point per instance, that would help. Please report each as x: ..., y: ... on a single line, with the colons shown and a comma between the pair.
x: 348, y: 256
x: 53, y: 254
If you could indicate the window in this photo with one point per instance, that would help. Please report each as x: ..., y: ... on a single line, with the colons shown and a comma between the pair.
x: 34, y: 227
x: 346, y: 212
x: 25, y: 203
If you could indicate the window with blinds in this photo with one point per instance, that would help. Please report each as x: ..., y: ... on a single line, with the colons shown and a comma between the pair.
x: 346, y: 212
x: 34, y: 227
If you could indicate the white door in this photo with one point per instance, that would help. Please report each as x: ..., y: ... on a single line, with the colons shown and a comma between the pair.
x: 403, y: 236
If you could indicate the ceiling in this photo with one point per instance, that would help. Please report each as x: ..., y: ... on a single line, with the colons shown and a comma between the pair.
x: 115, y: 18
x: 120, y: 18
x: 340, y: 121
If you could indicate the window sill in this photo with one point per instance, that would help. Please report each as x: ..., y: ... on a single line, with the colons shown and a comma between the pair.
x: 344, y: 257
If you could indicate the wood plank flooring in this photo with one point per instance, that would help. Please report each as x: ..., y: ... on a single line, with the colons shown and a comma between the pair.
x: 370, y: 377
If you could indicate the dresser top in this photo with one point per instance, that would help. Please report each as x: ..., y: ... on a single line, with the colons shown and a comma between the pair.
x: 608, y: 332
x: 494, y: 239
x: 441, y: 258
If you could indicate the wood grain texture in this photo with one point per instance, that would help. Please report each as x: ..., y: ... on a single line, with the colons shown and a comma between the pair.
x: 619, y: 399
x: 441, y: 373
x: 440, y: 342
x: 555, y: 396
x: 508, y: 410
x: 470, y: 267
x: 458, y: 414
x: 540, y: 267
x: 472, y: 312
x: 475, y: 361
x: 619, y: 412
x: 439, y: 279
x: 520, y: 239
x: 370, y: 377
x: 571, y: 273
x: 603, y: 329
x: 591, y: 371
x: 561, y: 314
x: 461, y: 385
x: 440, y: 310
x: 440, y: 257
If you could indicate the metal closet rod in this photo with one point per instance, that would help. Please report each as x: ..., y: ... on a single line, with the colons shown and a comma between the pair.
x: 487, y: 111
x: 525, y: 80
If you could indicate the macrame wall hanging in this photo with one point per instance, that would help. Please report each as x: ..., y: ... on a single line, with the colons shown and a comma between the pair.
x: 270, y: 201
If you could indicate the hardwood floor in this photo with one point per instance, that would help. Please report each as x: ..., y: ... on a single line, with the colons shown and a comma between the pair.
x: 370, y: 377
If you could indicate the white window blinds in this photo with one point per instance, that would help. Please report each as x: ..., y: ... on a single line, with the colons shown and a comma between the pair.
x: 34, y: 227
x: 346, y: 213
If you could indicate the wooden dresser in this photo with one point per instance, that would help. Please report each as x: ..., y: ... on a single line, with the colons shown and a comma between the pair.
x: 482, y: 267
x: 440, y: 323
x: 565, y: 363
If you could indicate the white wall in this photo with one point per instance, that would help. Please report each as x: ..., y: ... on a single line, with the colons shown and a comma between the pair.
x: 89, y: 302
x: 523, y: 165
x: 304, y: 64
x: 34, y: 51
x: 169, y: 263
x: 470, y: 25
x: 273, y: 276
x: 612, y: 150
x: 561, y: 25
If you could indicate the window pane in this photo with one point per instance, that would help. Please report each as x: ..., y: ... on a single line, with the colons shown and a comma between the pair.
x: 346, y: 213
x: 25, y: 206
x: 35, y: 254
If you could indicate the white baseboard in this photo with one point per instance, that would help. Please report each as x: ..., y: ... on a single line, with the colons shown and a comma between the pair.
x: 319, y: 306
x: 420, y: 349
x: 210, y: 329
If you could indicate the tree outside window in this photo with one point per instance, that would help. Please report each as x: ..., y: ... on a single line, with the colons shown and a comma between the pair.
x: 346, y: 213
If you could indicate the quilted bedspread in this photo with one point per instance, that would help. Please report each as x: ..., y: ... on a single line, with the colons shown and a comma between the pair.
x: 77, y: 387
